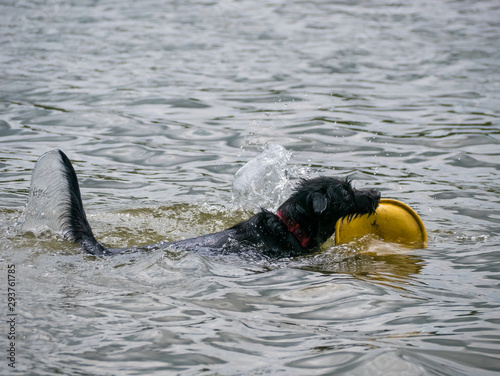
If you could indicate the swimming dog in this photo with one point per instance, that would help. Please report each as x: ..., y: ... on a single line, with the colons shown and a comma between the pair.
x: 300, y: 226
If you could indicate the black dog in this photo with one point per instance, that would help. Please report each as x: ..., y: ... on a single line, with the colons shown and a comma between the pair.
x: 303, y: 222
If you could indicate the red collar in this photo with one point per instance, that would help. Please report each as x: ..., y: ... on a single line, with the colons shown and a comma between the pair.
x: 295, y: 229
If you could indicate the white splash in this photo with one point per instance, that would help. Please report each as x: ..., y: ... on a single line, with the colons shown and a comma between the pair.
x: 263, y: 182
x: 48, y: 196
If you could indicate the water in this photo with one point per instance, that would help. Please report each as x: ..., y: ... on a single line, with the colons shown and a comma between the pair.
x: 159, y: 104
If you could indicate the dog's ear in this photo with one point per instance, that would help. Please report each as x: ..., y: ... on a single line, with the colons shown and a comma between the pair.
x: 319, y: 202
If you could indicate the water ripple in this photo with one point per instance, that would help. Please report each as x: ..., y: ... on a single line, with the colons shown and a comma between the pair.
x: 159, y: 104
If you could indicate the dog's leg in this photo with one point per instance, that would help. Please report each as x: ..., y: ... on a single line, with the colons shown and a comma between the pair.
x: 55, y: 202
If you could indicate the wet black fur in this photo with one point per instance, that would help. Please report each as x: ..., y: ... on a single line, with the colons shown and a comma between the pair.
x: 316, y: 205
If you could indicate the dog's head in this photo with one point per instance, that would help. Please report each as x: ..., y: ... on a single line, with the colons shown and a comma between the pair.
x: 317, y: 204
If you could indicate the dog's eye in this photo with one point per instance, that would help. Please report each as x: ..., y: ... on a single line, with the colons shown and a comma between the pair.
x: 346, y: 194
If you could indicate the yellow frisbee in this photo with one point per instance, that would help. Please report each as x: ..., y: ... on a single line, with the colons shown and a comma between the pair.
x: 393, y: 222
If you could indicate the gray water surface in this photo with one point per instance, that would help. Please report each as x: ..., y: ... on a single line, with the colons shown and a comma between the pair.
x: 159, y: 103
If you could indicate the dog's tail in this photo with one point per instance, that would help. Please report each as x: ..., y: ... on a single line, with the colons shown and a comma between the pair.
x: 55, y: 202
